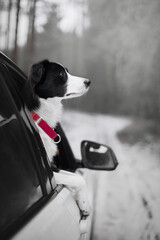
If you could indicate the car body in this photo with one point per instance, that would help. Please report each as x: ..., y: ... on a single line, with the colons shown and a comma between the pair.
x: 32, y: 205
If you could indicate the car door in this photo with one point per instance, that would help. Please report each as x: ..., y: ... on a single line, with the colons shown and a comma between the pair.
x: 32, y: 206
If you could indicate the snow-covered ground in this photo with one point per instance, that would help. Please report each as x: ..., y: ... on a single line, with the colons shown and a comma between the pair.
x: 127, y: 201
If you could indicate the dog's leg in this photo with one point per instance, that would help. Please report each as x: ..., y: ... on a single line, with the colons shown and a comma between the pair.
x: 77, y: 184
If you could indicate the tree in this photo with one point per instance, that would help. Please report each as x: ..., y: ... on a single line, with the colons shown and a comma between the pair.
x: 15, y: 51
x: 31, y: 26
x: 8, y: 24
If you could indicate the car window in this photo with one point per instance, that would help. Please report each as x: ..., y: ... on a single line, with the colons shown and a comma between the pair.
x: 19, y: 183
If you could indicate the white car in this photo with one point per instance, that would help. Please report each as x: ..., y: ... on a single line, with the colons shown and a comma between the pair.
x: 32, y: 205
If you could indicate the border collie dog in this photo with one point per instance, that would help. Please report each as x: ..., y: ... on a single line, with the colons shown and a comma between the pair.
x: 48, y: 84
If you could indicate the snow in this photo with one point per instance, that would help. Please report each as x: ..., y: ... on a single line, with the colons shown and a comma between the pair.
x: 127, y: 200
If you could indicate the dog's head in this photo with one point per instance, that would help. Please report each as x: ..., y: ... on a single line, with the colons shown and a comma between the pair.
x: 49, y: 79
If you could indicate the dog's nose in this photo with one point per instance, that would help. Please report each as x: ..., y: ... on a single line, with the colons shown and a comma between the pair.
x: 87, y: 82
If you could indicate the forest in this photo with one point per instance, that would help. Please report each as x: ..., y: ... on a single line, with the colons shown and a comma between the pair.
x: 114, y: 43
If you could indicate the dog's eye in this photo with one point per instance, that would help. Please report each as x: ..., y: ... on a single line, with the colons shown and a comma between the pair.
x: 61, y: 74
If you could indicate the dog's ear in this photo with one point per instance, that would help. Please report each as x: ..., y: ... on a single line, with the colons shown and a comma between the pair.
x: 37, y: 72
x: 35, y: 76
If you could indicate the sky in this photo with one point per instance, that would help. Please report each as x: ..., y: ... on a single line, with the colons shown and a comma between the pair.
x: 74, y: 16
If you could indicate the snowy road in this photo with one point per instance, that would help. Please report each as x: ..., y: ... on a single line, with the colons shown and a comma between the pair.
x: 127, y: 204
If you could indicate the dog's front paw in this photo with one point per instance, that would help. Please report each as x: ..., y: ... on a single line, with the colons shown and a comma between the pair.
x: 82, y: 199
x: 83, y: 204
x: 77, y: 185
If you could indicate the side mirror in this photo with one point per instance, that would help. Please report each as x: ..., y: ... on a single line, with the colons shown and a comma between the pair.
x: 97, y: 156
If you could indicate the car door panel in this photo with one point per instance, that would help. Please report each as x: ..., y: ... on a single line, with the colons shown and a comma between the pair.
x: 49, y: 223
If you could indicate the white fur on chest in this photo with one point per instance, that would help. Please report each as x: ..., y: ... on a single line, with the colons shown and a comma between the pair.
x: 50, y: 110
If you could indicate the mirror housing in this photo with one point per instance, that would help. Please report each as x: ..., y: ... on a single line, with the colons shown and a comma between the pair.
x: 98, y: 156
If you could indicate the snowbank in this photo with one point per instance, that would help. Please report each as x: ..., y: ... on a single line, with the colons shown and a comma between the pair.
x: 127, y: 204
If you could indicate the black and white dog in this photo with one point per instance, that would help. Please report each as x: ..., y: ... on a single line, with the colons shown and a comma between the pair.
x: 48, y: 84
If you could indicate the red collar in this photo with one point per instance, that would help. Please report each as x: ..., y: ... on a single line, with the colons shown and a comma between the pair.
x: 46, y: 128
